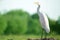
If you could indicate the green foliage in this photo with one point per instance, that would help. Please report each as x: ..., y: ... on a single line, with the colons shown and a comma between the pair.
x: 35, y: 16
x: 58, y: 20
x: 3, y: 24
x: 17, y: 22
x: 20, y: 22
x: 54, y: 26
x: 57, y: 26
x: 34, y: 26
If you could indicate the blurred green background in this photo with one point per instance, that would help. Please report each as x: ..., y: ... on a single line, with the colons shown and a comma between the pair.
x: 20, y: 25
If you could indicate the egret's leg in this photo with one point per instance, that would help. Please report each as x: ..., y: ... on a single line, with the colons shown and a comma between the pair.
x: 42, y: 34
x: 45, y: 34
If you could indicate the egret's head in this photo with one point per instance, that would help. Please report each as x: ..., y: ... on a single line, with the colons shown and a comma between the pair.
x: 38, y: 6
x: 37, y: 3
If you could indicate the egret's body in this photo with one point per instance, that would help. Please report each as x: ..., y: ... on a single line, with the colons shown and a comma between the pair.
x: 43, y: 20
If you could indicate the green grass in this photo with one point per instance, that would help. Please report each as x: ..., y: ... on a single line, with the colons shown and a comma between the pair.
x: 24, y: 37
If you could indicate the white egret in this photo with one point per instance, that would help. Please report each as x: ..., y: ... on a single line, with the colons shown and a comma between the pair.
x: 43, y: 20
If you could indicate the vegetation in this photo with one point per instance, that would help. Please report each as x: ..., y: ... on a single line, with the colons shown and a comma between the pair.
x: 25, y: 37
x: 21, y: 22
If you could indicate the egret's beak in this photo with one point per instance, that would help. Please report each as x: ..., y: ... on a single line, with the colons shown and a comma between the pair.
x: 36, y: 3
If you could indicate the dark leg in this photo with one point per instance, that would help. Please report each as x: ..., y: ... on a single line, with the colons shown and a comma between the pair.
x: 45, y: 34
x: 42, y: 34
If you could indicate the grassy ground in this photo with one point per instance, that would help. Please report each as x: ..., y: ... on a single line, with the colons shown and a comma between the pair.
x: 24, y: 37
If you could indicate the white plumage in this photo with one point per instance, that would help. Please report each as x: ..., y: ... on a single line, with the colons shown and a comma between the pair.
x: 43, y: 19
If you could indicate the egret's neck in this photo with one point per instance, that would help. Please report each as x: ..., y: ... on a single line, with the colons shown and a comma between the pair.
x: 38, y: 8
